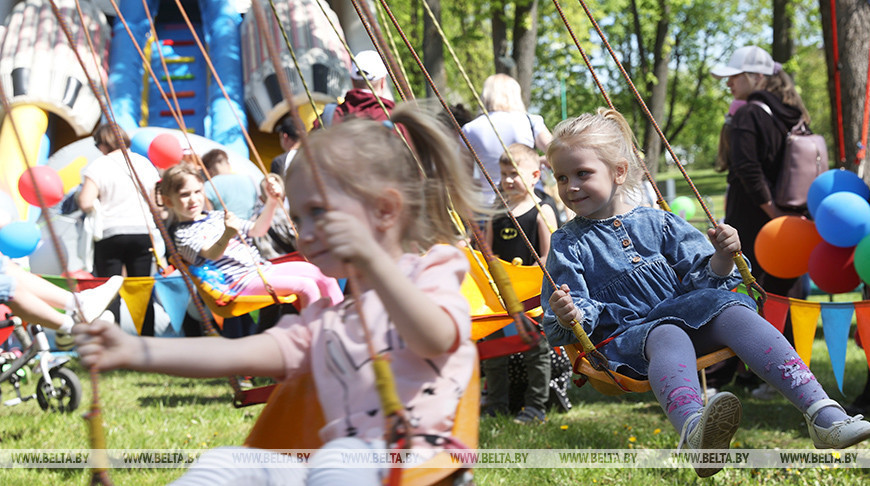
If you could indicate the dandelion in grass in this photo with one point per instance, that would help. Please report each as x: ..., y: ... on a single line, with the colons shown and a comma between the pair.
x: 657, y: 431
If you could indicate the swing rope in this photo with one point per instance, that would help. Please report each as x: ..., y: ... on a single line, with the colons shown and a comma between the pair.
x: 105, y: 107
x: 528, y: 187
x: 739, y: 261
x: 397, y: 425
x: 660, y: 199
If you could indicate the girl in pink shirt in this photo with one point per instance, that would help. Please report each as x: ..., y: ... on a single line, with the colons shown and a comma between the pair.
x: 384, y: 220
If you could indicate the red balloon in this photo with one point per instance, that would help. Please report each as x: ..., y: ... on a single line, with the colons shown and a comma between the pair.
x: 164, y: 151
x: 832, y: 268
x: 784, y: 244
x: 48, y: 182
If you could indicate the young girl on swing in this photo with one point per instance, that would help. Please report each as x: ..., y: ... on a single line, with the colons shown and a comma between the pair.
x: 656, y: 285
x: 380, y: 219
x: 203, y: 236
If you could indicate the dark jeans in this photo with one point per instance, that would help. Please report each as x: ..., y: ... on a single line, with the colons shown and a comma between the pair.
x: 112, y: 254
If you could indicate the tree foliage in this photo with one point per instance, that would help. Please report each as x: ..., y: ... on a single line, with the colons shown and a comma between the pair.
x: 700, y: 34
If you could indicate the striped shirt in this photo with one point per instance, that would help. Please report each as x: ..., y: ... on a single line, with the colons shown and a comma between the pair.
x: 238, y: 263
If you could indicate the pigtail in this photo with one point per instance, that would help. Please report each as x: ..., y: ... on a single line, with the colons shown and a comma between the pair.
x: 446, y: 182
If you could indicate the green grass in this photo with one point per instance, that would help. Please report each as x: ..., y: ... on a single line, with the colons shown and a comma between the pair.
x: 149, y: 411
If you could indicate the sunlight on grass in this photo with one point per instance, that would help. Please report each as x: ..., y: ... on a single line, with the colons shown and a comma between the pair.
x: 143, y: 410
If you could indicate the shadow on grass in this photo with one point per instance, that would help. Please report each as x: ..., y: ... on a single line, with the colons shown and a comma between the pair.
x: 182, y: 400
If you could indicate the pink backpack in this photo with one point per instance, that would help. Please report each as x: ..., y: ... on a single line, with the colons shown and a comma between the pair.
x: 804, y: 158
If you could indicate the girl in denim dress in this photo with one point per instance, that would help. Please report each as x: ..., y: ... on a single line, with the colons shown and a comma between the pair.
x: 659, y: 287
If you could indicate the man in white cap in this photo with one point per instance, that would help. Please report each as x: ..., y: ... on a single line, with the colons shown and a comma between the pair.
x: 362, y: 101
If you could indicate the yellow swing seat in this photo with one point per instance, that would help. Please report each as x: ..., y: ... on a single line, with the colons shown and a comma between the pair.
x: 292, y: 419
x: 227, y: 306
x: 605, y: 385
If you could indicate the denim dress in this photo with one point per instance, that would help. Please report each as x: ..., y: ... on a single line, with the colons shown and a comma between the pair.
x: 630, y: 273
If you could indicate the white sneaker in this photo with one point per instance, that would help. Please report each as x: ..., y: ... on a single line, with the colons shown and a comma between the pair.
x: 716, y: 425
x: 94, y: 301
x: 840, y: 434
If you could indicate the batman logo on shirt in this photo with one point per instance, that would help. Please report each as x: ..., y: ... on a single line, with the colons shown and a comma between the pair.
x: 508, y: 233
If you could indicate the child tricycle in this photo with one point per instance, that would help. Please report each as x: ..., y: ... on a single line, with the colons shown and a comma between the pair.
x: 58, y: 389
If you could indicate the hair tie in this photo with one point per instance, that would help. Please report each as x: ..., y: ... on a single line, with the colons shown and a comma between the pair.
x: 387, y: 123
x: 777, y: 67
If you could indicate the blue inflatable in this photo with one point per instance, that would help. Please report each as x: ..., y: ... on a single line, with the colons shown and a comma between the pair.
x: 843, y: 219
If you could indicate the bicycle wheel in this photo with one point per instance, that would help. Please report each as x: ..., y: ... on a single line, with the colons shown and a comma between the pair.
x: 67, y: 391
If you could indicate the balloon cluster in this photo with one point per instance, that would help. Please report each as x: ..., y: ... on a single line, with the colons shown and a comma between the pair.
x: 20, y: 238
x: 835, y: 249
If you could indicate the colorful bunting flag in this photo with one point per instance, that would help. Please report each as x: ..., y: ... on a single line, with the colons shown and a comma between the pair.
x: 173, y: 296
x: 836, y: 321
x: 804, y: 319
x: 136, y: 292
x: 776, y: 310
x: 862, y: 315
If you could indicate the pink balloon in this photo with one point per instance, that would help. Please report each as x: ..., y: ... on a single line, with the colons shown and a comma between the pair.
x: 47, y: 181
x: 164, y: 151
x: 832, y: 268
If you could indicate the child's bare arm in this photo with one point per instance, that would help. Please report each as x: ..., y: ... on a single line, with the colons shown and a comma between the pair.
x: 232, y: 224
x: 425, y: 327
x: 726, y: 241
x: 104, y: 345
x: 274, y: 188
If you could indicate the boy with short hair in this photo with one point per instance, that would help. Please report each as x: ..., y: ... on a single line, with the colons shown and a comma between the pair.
x: 505, y: 241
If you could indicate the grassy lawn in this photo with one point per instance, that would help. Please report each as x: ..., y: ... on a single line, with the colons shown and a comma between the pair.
x: 144, y: 410
x: 149, y: 411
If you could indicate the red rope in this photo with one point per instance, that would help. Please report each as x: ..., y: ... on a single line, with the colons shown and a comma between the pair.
x: 838, y: 96
x: 862, y: 146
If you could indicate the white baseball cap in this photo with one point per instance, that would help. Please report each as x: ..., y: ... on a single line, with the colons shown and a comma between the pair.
x: 749, y: 59
x: 369, y: 66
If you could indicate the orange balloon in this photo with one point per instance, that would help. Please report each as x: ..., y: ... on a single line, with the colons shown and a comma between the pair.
x: 783, y: 246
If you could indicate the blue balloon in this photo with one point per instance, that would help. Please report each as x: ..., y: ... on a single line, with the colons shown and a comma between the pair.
x: 142, y: 140
x: 843, y: 219
x: 834, y: 180
x: 19, y: 239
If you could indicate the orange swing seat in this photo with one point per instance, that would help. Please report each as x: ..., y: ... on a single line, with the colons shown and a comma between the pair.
x: 292, y: 419
x: 605, y: 385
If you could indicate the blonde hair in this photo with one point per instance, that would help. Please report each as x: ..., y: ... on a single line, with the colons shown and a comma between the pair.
x: 522, y: 154
x: 608, y: 134
x: 364, y: 157
x: 502, y: 93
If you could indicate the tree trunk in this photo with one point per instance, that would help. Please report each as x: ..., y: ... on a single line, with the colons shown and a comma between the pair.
x: 783, y: 43
x: 525, y: 39
x: 504, y: 64
x: 433, y: 50
x: 658, y: 89
x: 853, y: 32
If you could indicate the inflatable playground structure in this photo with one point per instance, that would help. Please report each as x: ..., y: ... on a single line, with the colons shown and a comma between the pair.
x: 139, y: 55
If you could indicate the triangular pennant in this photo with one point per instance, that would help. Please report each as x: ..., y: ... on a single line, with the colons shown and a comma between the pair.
x: 836, y: 321
x: 804, y: 319
x: 174, y: 297
x: 136, y: 292
x: 57, y: 281
x: 776, y: 310
x: 862, y: 315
